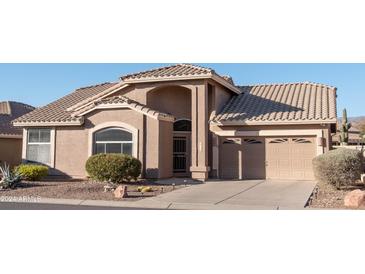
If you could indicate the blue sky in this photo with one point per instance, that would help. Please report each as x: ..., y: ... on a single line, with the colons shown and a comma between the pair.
x: 40, y: 84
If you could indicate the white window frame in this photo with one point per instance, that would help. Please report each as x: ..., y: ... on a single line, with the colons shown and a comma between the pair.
x: 112, y: 142
x: 51, y: 143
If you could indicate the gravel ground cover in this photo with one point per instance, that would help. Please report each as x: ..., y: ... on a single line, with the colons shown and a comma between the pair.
x: 330, y: 197
x: 83, y: 190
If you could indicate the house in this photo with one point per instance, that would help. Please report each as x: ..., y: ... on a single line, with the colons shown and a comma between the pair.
x: 354, y: 138
x: 186, y: 121
x: 10, y: 136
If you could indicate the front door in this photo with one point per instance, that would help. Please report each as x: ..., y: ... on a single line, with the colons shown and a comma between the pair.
x: 181, y: 155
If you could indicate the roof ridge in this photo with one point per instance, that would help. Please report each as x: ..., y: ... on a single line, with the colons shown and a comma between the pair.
x: 288, y: 83
x: 206, y: 69
x: 181, y: 71
x: 96, y: 85
x: 146, y: 71
x: 197, y: 66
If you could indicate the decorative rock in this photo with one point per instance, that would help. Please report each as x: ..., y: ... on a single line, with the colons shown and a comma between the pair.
x: 355, y: 199
x: 108, y: 188
x: 121, y: 192
x: 363, y: 178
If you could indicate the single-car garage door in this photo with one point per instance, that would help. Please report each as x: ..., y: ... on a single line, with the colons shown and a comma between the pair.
x: 242, y: 158
x: 290, y: 158
x: 264, y: 157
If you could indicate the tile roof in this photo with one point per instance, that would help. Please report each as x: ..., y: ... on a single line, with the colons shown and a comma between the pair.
x: 123, y: 100
x: 179, y: 72
x: 57, y: 111
x: 170, y: 71
x: 281, y: 103
x: 10, y: 111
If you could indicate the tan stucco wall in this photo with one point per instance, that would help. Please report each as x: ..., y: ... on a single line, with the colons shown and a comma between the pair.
x: 222, y: 96
x: 166, y: 149
x: 11, y: 151
x: 216, y: 101
x: 72, y: 143
x: 152, y: 148
x: 71, y: 151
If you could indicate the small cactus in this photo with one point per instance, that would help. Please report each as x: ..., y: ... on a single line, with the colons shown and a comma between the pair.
x: 345, y: 127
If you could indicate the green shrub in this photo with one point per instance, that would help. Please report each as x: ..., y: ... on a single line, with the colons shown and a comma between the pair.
x: 32, y: 172
x: 340, y: 167
x: 113, y: 168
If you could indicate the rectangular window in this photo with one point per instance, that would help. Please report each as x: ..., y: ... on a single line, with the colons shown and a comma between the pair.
x: 39, y: 146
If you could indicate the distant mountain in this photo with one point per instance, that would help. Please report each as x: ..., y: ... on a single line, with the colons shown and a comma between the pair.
x: 355, y: 121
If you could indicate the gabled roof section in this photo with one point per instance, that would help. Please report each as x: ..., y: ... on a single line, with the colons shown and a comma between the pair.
x: 56, y: 113
x: 124, y: 102
x: 179, y: 72
x: 291, y: 103
x: 9, y: 111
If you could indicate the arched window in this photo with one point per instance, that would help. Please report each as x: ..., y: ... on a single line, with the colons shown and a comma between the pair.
x: 182, y: 125
x: 113, y: 140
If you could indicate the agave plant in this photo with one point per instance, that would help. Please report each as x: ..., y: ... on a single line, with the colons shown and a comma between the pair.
x: 9, y: 179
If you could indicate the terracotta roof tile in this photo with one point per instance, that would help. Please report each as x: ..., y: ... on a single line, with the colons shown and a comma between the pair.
x: 292, y: 102
x: 57, y: 111
x: 10, y: 111
x: 171, y: 71
x: 123, y: 100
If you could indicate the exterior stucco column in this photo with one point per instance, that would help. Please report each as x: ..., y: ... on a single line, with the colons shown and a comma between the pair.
x: 199, y: 135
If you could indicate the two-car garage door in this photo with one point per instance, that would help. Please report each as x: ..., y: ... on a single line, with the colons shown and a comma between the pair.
x: 267, y: 157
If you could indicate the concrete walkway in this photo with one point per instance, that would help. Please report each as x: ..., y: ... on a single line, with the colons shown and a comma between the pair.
x: 254, y: 194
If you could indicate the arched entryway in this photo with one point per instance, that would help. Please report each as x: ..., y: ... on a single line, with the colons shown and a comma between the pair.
x: 182, y: 148
x: 175, y: 100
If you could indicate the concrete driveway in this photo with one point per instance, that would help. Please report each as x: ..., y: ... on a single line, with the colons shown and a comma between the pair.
x: 252, y: 194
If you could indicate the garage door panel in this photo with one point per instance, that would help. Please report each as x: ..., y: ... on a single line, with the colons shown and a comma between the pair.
x: 253, y: 158
x: 295, y: 156
x: 230, y: 158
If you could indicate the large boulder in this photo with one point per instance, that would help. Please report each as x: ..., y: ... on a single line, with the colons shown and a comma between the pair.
x: 121, y: 192
x: 355, y: 199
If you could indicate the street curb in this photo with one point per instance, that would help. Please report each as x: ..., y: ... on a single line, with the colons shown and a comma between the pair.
x: 99, y: 203
x: 146, y: 205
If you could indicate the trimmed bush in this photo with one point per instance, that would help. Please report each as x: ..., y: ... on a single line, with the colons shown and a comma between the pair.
x: 32, y: 172
x: 113, y: 168
x: 340, y: 167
